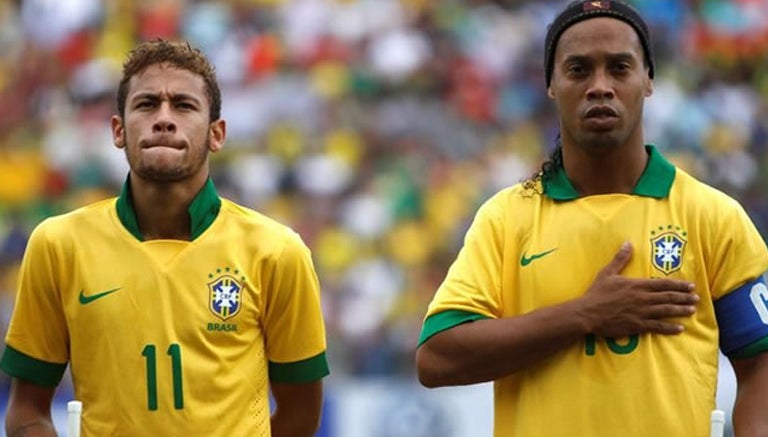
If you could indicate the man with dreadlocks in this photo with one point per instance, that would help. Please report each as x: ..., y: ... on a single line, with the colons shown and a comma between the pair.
x: 597, y: 294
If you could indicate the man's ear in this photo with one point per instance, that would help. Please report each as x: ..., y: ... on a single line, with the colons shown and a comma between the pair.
x: 218, y: 130
x: 118, y: 131
x: 649, y: 88
x: 550, y: 93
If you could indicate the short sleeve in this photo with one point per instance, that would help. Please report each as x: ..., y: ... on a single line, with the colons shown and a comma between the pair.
x: 37, y: 342
x: 293, y: 320
x: 739, y: 252
x: 471, y: 289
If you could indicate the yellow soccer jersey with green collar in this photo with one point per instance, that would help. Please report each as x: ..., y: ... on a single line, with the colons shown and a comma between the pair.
x: 167, y: 337
x: 527, y: 250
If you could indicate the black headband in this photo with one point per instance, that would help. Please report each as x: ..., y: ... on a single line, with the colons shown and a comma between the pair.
x: 584, y: 10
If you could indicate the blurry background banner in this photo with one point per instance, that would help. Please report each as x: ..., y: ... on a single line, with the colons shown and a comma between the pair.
x: 375, y: 128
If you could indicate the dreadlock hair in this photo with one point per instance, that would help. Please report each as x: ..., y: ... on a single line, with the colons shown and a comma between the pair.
x: 548, y: 167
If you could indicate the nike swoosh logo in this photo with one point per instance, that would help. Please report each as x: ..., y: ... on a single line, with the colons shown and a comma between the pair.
x: 84, y: 300
x: 524, y: 261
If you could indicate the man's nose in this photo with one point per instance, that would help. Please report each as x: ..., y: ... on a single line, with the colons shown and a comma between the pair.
x: 601, y: 86
x: 164, y: 121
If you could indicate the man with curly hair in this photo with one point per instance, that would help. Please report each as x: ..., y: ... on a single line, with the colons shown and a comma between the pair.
x: 177, y: 311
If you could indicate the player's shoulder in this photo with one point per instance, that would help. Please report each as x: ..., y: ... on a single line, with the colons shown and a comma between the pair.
x: 514, y: 198
x: 250, y: 222
x: 246, y: 215
x: 82, y: 218
x: 512, y: 207
x: 693, y: 190
x: 65, y: 231
x: 523, y: 192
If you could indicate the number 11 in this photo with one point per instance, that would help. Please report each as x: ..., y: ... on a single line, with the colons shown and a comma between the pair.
x: 174, y: 351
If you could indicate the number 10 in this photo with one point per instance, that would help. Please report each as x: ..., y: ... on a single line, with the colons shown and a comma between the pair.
x: 590, y: 345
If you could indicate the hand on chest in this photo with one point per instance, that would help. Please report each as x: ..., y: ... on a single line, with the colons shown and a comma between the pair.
x: 571, y: 243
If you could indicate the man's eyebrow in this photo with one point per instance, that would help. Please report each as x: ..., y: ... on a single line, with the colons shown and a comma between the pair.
x: 173, y: 97
x: 185, y: 97
x: 622, y: 56
x: 146, y: 95
x: 576, y: 58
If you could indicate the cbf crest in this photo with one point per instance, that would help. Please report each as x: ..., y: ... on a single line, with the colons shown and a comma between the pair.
x: 667, y: 245
x: 225, y: 293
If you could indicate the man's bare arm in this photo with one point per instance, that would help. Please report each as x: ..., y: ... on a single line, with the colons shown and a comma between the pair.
x: 299, y: 406
x: 614, y: 306
x: 29, y: 410
x: 749, y: 414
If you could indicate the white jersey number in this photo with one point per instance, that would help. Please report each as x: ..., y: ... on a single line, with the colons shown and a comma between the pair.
x: 759, y: 296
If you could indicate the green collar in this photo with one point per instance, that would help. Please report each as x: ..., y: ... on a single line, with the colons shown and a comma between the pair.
x: 656, y: 180
x: 202, y: 211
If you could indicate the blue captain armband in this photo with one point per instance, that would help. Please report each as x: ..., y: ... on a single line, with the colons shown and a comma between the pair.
x: 742, y: 317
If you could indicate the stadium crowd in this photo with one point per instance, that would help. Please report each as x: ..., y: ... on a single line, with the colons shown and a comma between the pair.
x: 373, y: 127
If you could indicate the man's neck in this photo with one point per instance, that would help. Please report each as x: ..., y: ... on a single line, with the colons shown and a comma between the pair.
x: 162, y: 209
x: 604, y: 172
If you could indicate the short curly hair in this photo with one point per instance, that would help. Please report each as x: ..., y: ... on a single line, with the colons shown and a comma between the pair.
x: 179, y: 54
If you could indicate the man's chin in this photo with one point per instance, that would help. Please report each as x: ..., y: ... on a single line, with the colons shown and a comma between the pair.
x: 161, y: 175
x: 601, y: 140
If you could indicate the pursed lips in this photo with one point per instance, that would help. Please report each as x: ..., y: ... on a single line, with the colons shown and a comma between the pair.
x: 161, y: 142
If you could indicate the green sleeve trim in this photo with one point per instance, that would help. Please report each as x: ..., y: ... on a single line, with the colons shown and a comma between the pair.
x: 447, y: 319
x: 22, y: 366
x: 308, y: 370
x: 751, y: 349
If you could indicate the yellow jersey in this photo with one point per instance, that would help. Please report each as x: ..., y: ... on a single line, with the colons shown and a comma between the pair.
x: 536, y: 246
x: 168, y: 337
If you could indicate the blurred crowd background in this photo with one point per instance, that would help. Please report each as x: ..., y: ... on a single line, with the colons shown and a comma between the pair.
x: 375, y: 128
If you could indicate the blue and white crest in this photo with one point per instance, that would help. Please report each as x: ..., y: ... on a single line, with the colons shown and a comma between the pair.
x: 667, y: 256
x: 225, y: 294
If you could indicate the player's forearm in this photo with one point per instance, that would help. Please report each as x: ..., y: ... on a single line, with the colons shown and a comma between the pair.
x: 39, y: 427
x: 749, y: 418
x: 29, y: 410
x: 298, y: 408
x: 294, y: 425
x: 489, y: 349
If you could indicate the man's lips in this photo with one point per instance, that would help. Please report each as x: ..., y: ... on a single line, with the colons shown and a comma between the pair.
x: 600, y: 111
x: 151, y: 144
